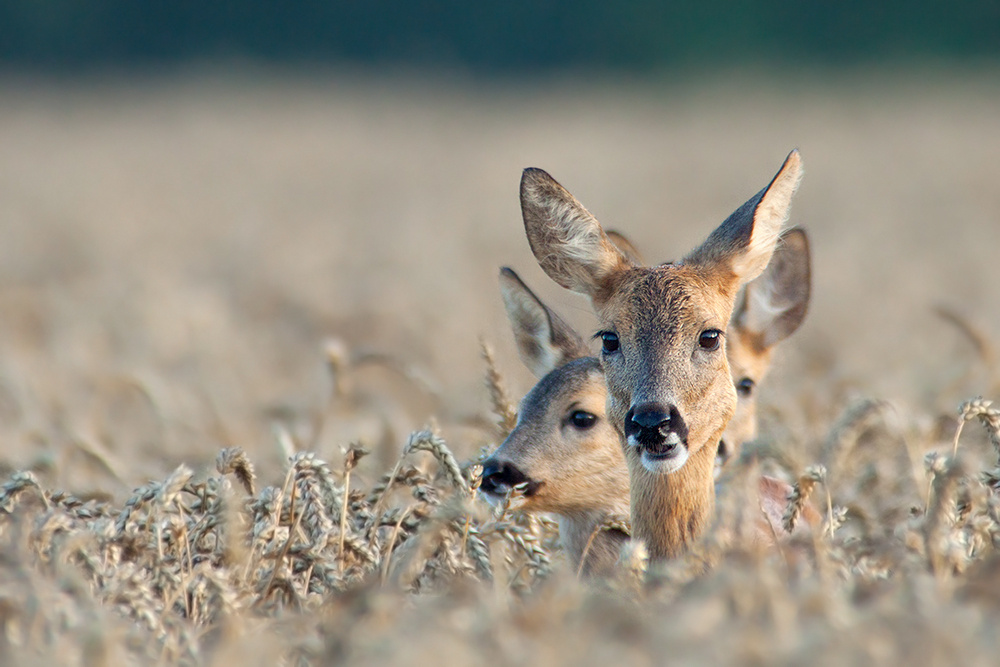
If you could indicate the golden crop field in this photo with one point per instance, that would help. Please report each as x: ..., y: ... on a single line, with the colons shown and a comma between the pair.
x: 292, y: 266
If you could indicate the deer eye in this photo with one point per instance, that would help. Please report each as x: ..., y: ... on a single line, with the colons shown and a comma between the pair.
x: 745, y: 387
x: 709, y: 339
x: 609, y: 341
x: 582, y: 419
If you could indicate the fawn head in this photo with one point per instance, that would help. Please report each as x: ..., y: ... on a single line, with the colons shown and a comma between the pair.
x: 670, y: 392
x: 563, y: 449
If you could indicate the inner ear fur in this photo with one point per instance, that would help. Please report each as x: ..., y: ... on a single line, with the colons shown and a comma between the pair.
x: 774, y: 305
x: 544, y: 340
x: 565, y: 238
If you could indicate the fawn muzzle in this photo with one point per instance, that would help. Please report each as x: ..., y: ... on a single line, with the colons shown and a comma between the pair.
x: 500, y: 477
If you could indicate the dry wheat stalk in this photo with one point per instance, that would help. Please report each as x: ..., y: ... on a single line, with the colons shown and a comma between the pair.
x: 503, y: 407
x: 234, y: 460
x: 427, y: 441
x: 799, y: 496
x: 988, y: 416
x: 942, y: 513
x: 610, y: 522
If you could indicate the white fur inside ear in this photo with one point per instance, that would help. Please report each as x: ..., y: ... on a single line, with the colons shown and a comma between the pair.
x: 581, y: 237
x: 769, y: 219
x: 532, y: 330
x: 763, y: 305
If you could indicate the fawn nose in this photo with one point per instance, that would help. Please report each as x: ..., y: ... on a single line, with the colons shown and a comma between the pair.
x: 499, y: 477
x: 657, y: 428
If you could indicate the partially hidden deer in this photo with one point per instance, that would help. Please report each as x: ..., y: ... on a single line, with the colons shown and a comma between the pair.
x: 563, y: 449
x: 670, y: 390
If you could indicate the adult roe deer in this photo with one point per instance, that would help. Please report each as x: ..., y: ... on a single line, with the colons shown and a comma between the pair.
x: 563, y: 448
x: 670, y: 391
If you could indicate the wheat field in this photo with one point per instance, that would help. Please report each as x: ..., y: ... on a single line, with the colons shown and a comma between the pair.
x: 242, y: 386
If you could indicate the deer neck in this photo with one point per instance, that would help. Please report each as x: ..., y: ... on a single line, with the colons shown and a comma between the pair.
x: 670, y: 512
x: 576, y: 530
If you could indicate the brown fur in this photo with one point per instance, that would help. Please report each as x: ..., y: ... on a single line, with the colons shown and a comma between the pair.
x: 658, y: 315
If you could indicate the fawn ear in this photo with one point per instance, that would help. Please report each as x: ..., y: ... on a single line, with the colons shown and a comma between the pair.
x: 544, y: 340
x: 775, y: 303
x: 742, y: 245
x: 565, y: 238
x: 628, y: 249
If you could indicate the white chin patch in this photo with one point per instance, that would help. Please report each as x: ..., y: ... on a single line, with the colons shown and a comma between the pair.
x: 664, y: 465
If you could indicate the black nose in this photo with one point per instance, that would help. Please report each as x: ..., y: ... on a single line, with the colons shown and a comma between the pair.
x: 499, y: 477
x: 651, y: 423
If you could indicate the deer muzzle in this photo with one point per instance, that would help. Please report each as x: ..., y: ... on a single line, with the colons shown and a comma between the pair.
x: 659, y: 433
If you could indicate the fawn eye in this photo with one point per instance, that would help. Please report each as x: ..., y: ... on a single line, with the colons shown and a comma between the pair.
x: 745, y: 387
x: 609, y: 341
x: 709, y: 339
x: 582, y: 419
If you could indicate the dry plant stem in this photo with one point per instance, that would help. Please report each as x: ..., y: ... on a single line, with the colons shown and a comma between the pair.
x: 372, y: 528
x: 288, y: 542
x: 391, y: 544
x: 935, y: 464
x: 958, y: 434
x: 945, y: 491
x: 586, y: 550
x: 829, y: 510
x: 343, y: 518
x: 465, y: 533
x: 503, y: 407
x: 980, y: 341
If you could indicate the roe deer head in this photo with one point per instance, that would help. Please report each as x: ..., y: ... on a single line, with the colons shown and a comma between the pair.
x: 670, y: 392
x: 564, y: 449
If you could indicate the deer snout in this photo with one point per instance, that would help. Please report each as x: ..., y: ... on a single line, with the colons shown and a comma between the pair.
x: 657, y: 430
x: 499, y: 477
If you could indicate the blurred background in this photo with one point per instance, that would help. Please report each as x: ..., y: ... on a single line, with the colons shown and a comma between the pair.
x: 260, y: 222
x: 493, y: 38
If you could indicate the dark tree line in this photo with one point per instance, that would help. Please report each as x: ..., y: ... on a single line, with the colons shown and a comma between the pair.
x: 489, y: 36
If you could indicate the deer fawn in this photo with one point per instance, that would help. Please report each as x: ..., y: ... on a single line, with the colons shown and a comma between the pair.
x: 670, y: 391
x: 564, y: 449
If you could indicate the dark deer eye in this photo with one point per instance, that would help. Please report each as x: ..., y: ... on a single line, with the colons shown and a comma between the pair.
x: 582, y: 419
x: 745, y: 387
x: 709, y: 339
x: 609, y: 341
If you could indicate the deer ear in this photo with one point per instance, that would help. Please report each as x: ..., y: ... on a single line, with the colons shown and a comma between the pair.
x: 775, y: 303
x: 744, y: 243
x: 544, y: 340
x: 628, y: 249
x: 565, y: 238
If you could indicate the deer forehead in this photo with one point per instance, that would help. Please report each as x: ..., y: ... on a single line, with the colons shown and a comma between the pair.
x: 655, y: 305
x: 580, y: 380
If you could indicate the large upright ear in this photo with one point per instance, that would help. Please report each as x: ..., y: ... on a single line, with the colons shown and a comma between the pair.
x: 628, y: 249
x: 775, y: 303
x: 544, y: 340
x: 743, y: 244
x: 566, y: 239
